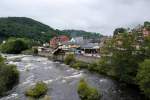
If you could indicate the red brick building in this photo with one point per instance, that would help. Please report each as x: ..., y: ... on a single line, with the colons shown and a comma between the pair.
x: 55, y: 41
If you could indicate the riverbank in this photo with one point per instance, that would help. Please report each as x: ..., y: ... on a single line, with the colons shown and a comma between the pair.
x: 91, y: 61
x: 62, y: 80
x: 87, y: 59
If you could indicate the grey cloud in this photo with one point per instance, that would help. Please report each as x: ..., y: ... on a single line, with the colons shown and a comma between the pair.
x: 91, y: 15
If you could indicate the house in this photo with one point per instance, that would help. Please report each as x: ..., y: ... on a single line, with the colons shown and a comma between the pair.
x: 77, y: 40
x: 56, y: 41
x: 90, y: 49
x: 46, y: 45
x: 146, y: 32
x: 40, y: 49
x: 70, y: 47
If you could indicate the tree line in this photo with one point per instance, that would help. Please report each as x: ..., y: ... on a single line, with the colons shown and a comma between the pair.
x: 22, y: 27
x: 126, y: 56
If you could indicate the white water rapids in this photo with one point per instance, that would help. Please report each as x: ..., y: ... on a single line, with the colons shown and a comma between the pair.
x: 61, y: 80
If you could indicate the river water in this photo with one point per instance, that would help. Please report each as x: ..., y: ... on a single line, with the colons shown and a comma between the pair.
x: 62, y: 81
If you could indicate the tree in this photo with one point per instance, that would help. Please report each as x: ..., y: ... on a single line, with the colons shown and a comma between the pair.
x: 9, y: 76
x: 22, y: 27
x: 143, y: 77
x: 119, y: 30
x: 103, y: 66
x: 146, y: 47
x: 14, y: 46
x: 122, y: 57
x: 146, y: 24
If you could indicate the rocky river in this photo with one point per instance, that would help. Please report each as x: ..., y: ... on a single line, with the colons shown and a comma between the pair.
x: 62, y: 80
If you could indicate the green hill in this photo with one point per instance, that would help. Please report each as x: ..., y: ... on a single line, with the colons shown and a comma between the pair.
x: 26, y: 28
x: 22, y: 27
x: 76, y: 33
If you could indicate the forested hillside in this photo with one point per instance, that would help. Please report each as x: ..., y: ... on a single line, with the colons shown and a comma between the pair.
x: 74, y: 33
x: 26, y: 28
x: 22, y: 27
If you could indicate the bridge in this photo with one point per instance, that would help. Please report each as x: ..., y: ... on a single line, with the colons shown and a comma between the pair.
x: 58, y: 54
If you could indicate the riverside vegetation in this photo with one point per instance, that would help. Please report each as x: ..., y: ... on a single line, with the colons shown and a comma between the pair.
x: 9, y: 77
x: 37, y: 91
x: 86, y: 92
x: 14, y: 46
x: 124, y: 58
x: 18, y: 45
x: 22, y: 27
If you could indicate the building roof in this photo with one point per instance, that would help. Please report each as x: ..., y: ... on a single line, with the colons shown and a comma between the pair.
x: 90, y: 46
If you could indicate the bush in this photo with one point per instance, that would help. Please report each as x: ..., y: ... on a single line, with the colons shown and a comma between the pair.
x: 79, y: 65
x: 37, y: 91
x: 14, y: 46
x: 103, y: 67
x: 69, y: 59
x: 35, y: 51
x: 9, y: 76
x: 32, y: 51
x: 92, y: 67
x: 143, y: 77
x: 27, y: 52
x: 86, y: 92
x: 1, y: 59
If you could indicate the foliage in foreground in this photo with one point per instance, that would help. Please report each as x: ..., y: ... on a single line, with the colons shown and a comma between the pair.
x: 86, y: 92
x: 143, y: 77
x: 9, y: 77
x: 122, y: 57
x: 37, y: 91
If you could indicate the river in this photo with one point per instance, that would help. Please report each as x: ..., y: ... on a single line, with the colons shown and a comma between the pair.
x: 62, y: 80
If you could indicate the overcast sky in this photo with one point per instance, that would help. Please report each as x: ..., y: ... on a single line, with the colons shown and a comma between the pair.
x: 91, y: 15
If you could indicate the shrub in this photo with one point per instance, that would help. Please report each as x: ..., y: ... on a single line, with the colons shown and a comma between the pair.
x: 37, y: 91
x: 103, y: 67
x: 86, y: 92
x: 143, y: 77
x: 9, y: 76
x: 32, y: 51
x: 1, y: 59
x: 92, y: 67
x: 14, y: 46
x: 35, y: 51
x: 69, y: 59
x: 79, y: 65
x: 27, y: 52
